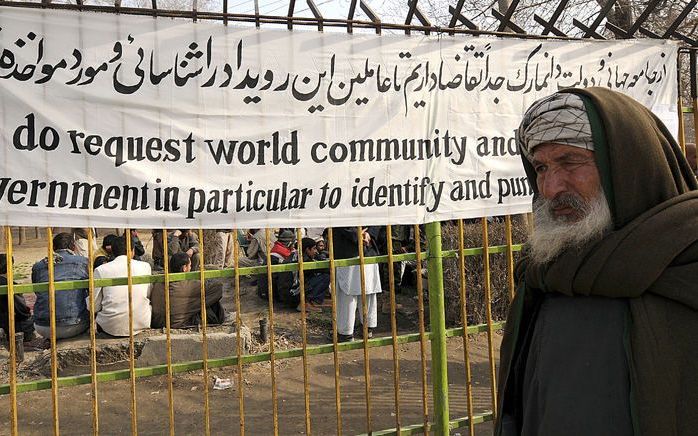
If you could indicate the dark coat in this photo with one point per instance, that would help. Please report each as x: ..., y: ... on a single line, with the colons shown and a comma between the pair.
x: 650, y: 259
x: 185, y: 302
x: 345, y: 240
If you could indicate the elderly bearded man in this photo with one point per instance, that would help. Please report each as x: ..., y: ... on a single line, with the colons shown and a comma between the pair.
x: 602, y: 337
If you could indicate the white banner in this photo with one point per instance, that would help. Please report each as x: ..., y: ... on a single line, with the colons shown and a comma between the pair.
x: 113, y: 120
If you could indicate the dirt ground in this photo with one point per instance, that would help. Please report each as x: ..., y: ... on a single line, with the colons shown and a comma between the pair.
x: 75, y: 406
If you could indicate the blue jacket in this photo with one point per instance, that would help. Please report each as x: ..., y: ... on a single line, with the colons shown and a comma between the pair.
x: 70, y: 305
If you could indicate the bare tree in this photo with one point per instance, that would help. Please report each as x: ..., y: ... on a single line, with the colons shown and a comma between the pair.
x: 623, y: 14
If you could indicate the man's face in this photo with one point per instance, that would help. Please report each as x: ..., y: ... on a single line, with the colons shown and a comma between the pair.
x: 567, y: 176
x: 572, y: 208
x: 187, y: 267
x: 312, y: 252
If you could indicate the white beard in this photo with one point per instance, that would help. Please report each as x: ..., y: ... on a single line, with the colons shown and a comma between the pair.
x: 553, y: 235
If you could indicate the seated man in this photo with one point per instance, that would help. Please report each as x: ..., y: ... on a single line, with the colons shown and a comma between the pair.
x: 185, y: 241
x: 257, y: 248
x: 138, y: 249
x: 322, y: 253
x: 104, y: 254
x: 72, y: 317
x: 283, y: 251
x: 185, y: 299
x: 178, y: 241
x: 111, y: 302
x: 24, y: 322
x: 317, y: 281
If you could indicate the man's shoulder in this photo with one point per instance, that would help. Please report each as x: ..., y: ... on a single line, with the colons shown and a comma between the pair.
x: 114, y: 268
x: 109, y: 269
x: 185, y: 285
x: 140, y: 266
x: 71, y: 258
x: 40, y: 264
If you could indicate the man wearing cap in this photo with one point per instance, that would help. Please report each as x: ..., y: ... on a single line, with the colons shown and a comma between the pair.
x: 601, y: 336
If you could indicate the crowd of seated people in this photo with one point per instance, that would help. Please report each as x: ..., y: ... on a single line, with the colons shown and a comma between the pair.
x: 111, y: 302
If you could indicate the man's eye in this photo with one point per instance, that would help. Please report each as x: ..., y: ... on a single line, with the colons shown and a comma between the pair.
x: 540, y: 168
x: 573, y: 164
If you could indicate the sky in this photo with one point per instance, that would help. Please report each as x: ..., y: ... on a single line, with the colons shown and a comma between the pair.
x: 328, y: 8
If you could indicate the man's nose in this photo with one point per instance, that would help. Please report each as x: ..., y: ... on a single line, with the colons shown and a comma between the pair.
x: 553, y: 183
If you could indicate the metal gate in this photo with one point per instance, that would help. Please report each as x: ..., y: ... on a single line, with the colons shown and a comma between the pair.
x: 430, y: 410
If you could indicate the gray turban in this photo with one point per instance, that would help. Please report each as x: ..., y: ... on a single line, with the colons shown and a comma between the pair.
x: 560, y: 118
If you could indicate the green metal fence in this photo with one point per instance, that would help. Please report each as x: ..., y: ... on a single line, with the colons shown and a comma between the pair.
x: 437, y: 420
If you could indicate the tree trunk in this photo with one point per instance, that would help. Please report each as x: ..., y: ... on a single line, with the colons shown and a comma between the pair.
x: 503, y: 5
x: 622, y: 13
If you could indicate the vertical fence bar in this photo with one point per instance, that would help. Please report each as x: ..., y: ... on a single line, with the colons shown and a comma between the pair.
x: 464, y: 321
x: 682, y: 132
x: 272, y: 357
x: 204, y: 338
x: 131, y: 342
x: 238, y: 326
x: 364, y: 328
x: 510, y: 256
x: 168, y: 333
x: 93, y: 332
x: 22, y: 235
x: 393, y: 325
x: 422, y: 330
x: 437, y: 320
x: 52, y: 329
x: 488, y: 310
x: 304, y: 331
x: 12, y: 331
x: 694, y: 98
x: 333, y: 290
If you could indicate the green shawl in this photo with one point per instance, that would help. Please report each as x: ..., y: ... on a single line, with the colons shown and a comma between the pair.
x: 650, y: 258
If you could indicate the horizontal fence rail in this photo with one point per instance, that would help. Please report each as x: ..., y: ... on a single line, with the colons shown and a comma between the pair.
x: 437, y: 421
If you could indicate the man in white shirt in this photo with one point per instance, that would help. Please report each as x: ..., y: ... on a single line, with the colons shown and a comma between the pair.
x: 111, y: 302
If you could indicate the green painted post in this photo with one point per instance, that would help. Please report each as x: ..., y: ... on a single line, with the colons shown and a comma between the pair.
x: 437, y: 321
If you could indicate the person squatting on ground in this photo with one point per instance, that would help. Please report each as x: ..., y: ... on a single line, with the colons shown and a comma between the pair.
x: 317, y: 281
x: 24, y: 321
x: 104, y: 254
x: 185, y: 299
x: 601, y: 336
x: 111, y: 302
x: 257, y: 248
x: 72, y: 316
x: 283, y: 251
x: 348, y: 280
x: 178, y: 241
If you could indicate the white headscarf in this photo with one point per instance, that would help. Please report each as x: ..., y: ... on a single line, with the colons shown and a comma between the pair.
x: 560, y: 118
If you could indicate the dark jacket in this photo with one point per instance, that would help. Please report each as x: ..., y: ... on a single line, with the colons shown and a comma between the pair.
x: 175, y: 244
x: 650, y: 260
x: 185, y: 302
x: 24, y: 322
x: 70, y: 305
x: 345, y: 240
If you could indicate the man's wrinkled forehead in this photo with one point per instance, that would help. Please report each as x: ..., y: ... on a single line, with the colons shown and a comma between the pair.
x: 548, y: 152
x: 560, y: 118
